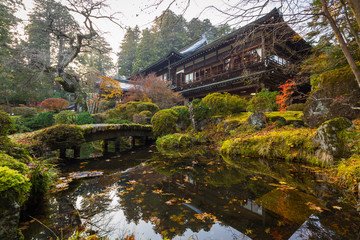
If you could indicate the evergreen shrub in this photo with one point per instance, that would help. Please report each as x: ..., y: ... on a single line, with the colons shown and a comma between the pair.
x: 164, y: 122
x: 84, y: 118
x: 183, y: 115
x: 25, y: 111
x: 264, y: 101
x: 6, y: 123
x: 65, y: 117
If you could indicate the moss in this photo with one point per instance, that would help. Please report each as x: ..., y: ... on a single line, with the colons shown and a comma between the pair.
x: 11, y: 181
x: 348, y: 171
x: 146, y: 113
x: 164, y: 122
x: 285, y: 144
x: 65, y: 117
x: 61, y: 136
x: 10, y: 162
x: 172, y: 141
x: 183, y: 116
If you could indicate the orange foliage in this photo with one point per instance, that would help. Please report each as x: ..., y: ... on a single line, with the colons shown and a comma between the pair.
x: 110, y: 88
x: 286, y: 92
x: 153, y: 89
x: 54, y: 104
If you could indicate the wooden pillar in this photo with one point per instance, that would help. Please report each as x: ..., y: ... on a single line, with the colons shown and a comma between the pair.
x: 76, y: 152
x: 105, y: 146
x: 63, y: 153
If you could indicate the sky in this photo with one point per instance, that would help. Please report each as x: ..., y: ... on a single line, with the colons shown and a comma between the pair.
x: 141, y: 13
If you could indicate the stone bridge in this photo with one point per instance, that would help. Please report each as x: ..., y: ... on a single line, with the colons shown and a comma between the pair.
x: 112, y: 132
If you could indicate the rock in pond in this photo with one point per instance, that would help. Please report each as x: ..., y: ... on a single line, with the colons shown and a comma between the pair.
x: 78, y: 175
x: 258, y: 120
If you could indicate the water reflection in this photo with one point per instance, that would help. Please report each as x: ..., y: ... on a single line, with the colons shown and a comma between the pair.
x: 202, y: 197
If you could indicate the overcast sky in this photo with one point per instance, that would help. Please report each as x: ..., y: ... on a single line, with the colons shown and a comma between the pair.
x: 139, y: 12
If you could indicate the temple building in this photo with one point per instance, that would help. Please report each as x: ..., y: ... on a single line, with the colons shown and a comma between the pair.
x: 261, y: 54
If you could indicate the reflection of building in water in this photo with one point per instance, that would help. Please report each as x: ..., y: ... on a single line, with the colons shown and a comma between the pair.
x: 252, y: 206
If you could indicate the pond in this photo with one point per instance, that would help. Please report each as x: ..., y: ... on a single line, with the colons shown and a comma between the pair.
x: 152, y: 196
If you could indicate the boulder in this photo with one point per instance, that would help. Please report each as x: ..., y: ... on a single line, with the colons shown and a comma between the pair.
x: 328, y: 137
x: 258, y: 120
x: 335, y: 94
x: 296, y: 123
x: 279, y: 119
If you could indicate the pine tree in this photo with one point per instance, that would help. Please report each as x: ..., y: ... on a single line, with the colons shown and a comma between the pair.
x: 127, y: 55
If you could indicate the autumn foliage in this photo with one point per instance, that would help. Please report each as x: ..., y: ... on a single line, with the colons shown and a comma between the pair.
x: 110, y: 88
x: 153, y: 89
x: 286, y: 92
x: 54, y: 104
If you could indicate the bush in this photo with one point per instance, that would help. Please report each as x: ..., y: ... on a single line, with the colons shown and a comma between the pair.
x: 65, y: 117
x: 6, y: 123
x: 164, y: 122
x: 99, y: 117
x: 12, y: 182
x: 42, y: 120
x: 146, y: 113
x: 61, y: 136
x: 84, y: 118
x: 25, y: 111
x: 41, y: 178
x: 139, y: 118
x: 201, y: 111
x: 183, y: 115
x: 10, y: 162
x: 118, y: 121
x: 296, y: 107
x: 176, y: 140
x: 148, y: 106
x: 263, y: 101
x: 224, y: 103
x: 118, y: 112
x: 54, y: 104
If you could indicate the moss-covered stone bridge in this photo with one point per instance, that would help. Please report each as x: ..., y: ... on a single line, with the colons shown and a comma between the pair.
x: 113, y: 132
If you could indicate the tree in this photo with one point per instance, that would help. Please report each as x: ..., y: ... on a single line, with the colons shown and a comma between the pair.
x: 127, y: 55
x: 146, y: 51
x: 153, y: 89
x: 110, y: 88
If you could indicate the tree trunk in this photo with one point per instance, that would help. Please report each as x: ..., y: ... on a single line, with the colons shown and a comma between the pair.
x: 341, y: 40
x: 355, y: 7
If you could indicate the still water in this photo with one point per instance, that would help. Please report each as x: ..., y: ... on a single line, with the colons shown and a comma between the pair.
x: 152, y: 196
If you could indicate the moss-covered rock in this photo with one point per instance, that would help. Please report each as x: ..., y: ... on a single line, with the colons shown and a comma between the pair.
x: 183, y: 116
x: 295, y: 123
x: 288, y: 144
x: 334, y: 94
x: 329, y: 139
x: 279, y: 119
x: 173, y: 141
x: 164, y: 122
x: 258, y: 120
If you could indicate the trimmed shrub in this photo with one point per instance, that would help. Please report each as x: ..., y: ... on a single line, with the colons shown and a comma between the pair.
x: 65, y: 117
x: 42, y: 120
x: 62, y: 135
x: 118, y: 112
x: 296, y: 107
x: 84, y: 118
x: 54, y: 104
x: 118, y: 121
x: 148, y: 106
x: 164, y: 122
x: 264, y: 101
x: 139, y: 118
x: 183, y: 116
x: 12, y: 182
x: 25, y: 111
x: 99, y: 117
x: 224, y: 103
x: 6, y: 123
x: 146, y: 113
x: 172, y: 141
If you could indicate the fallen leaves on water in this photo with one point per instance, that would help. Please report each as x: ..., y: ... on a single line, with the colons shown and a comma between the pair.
x: 204, y: 216
x: 313, y: 206
x: 337, y: 207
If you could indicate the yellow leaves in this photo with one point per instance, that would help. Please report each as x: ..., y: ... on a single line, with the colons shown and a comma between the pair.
x: 337, y: 207
x: 267, y: 230
x: 159, y: 191
x: 110, y: 88
x: 313, y: 206
x: 171, y: 201
x: 204, y: 216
